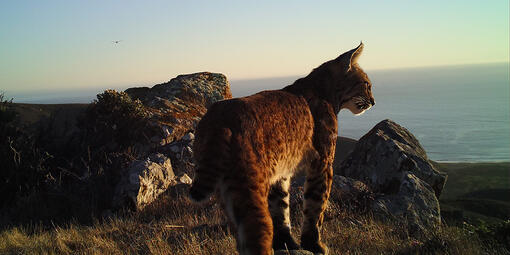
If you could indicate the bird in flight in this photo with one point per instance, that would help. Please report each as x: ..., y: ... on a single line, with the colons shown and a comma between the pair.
x: 116, y: 42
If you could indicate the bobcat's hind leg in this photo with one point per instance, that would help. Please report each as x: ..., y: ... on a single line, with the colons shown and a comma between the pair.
x: 247, y: 208
x: 280, y: 213
x: 317, y: 188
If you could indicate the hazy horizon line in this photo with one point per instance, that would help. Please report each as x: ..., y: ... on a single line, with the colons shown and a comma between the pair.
x: 152, y: 83
x: 382, y: 69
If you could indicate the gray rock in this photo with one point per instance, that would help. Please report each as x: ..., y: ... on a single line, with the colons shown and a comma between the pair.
x: 181, y: 154
x: 393, y: 165
x: 385, y: 155
x: 414, y: 203
x: 144, y: 181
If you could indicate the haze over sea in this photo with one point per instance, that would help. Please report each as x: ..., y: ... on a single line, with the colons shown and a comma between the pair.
x: 458, y: 113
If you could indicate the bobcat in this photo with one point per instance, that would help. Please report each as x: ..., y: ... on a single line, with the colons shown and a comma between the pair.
x: 248, y: 148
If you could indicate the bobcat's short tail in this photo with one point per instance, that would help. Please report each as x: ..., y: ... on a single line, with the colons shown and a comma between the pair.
x: 212, y: 155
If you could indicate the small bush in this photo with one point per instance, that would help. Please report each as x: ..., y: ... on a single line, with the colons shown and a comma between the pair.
x: 24, y: 168
x: 6, y: 113
x: 114, y: 120
x: 496, y: 234
x: 111, y: 129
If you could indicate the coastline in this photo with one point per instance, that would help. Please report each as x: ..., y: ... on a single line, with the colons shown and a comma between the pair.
x: 471, y: 162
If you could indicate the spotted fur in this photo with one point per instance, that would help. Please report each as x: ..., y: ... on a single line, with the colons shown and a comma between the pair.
x: 248, y: 148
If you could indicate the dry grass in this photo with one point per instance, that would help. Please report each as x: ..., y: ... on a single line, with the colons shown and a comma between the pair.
x: 174, y: 225
x: 171, y: 226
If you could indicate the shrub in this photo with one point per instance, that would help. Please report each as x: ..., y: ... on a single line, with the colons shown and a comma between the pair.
x: 6, y: 113
x: 110, y: 128
x: 24, y: 168
x: 495, y: 234
x: 109, y: 132
x: 114, y: 120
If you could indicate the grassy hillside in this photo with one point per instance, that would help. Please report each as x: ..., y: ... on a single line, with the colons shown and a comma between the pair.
x: 477, y: 191
x: 31, y: 113
x: 480, y: 180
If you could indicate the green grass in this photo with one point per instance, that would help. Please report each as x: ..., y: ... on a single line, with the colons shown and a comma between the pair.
x: 466, y: 178
x: 480, y: 192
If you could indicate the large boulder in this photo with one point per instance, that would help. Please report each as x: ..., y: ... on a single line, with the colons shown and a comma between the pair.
x: 177, y: 106
x: 393, y: 164
x: 385, y: 155
x: 145, y: 180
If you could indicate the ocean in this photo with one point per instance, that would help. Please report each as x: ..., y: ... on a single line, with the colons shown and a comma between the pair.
x: 458, y: 113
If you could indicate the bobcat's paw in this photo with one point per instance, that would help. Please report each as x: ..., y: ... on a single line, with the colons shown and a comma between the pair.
x: 284, y: 242
x: 315, y: 247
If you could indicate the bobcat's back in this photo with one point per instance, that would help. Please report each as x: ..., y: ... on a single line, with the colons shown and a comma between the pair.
x: 271, y: 130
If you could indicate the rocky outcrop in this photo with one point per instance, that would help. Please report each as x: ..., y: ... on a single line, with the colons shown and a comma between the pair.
x: 177, y: 106
x: 394, y: 166
x: 174, y: 108
x: 145, y: 180
x: 181, y: 154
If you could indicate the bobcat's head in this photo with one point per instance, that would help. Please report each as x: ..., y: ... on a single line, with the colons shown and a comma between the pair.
x: 344, y: 84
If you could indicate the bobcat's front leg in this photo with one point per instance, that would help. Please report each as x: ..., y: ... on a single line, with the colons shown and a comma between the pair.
x: 317, y: 188
x: 319, y: 176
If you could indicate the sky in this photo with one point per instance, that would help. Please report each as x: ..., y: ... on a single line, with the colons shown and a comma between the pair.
x: 69, y: 44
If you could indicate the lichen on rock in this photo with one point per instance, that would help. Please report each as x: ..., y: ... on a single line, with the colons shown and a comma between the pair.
x: 180, y: 103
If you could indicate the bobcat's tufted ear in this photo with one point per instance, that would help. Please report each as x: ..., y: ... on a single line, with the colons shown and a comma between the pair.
x: 349, y: 58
